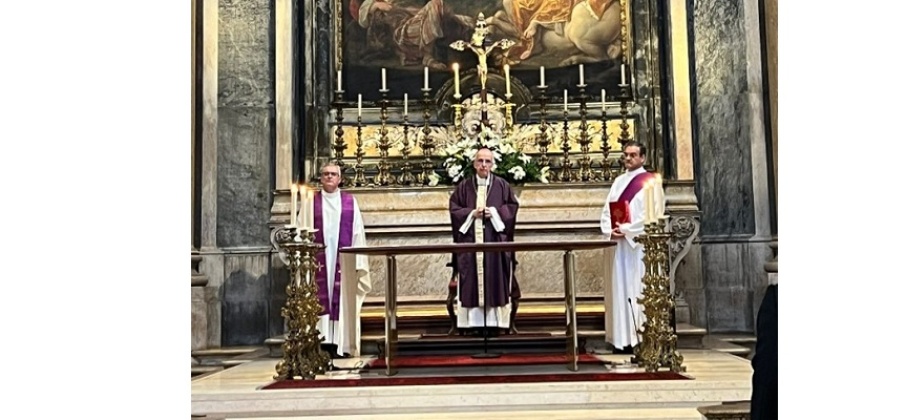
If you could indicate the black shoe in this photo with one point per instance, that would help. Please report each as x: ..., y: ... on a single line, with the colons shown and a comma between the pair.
x: 624, y: 350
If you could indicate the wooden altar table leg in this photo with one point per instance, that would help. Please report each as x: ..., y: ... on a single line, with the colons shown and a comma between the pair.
x: 390, y: 318
x: 571, y: 327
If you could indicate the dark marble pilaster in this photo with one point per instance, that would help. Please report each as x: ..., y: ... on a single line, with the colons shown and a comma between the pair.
x: 319, y: 77
x: 730, y: 158
x: 722, y: 118
x: 245, y: 134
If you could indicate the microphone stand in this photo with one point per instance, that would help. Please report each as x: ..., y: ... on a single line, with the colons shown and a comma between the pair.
x: 632, y: 314
x: 485, y: 313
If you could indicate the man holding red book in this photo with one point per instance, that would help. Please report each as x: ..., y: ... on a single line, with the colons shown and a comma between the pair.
x: 622, y: 220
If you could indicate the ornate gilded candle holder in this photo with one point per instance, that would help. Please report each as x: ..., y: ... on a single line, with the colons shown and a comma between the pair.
x: 566, y: 174
x: 384, y: 177
x: 339, y: 145
x: 584, y: 164
x: 360, y: 178
x: 543, y: 141
x: 658, y: 347
x: 303, y: 357
x: 606, y: 173
x: 405, y: 176
x: 427, y: 142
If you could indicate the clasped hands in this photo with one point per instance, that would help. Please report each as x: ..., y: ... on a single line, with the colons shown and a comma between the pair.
x: 482, y: 213
x: 617, y: 234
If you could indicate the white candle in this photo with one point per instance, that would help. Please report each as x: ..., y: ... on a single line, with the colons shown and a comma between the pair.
x: 405, y: 104
x: 542, y: 77
x: 309, y: 205
x: 301, y: 221
x: 293, y: 204
x: 359, y: 104
x: 603, y: 100
x: 426, y: 77
x: 383, y: 78
x: 659, y: 198
x: 622, y: 74
x: 507, y: 79
x: 649, y: 203
x: 340, y: 79
x: 456, y: 79
x: 581, y: 74
x: 565, y: 99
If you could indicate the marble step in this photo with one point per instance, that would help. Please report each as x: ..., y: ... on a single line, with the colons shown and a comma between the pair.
x: 547, y: 414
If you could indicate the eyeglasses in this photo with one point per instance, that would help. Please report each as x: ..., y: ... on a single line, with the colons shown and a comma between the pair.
x: 330, y: 174
x: 483, y: 162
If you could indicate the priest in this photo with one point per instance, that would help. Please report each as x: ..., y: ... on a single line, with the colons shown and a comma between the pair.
x: 483, y: 209
x: 624, y: 315
x: 339, y: 224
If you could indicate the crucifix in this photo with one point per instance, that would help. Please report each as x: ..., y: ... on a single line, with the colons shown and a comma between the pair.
x: 482, y: 52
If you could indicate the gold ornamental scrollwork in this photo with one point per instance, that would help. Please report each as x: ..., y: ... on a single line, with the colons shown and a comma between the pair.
x: 302, y: 354
x: 658, y: 347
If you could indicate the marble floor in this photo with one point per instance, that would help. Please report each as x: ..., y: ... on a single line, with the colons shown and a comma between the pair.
x: 717, y: 377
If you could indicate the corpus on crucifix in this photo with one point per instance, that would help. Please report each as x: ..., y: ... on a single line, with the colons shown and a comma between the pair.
x: 482, y: 52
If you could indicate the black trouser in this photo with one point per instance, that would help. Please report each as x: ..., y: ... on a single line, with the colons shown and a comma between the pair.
x: 764, y: 402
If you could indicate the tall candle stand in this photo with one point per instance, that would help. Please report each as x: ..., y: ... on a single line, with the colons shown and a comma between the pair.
x: 339, y: 145
x: 606, y: 173
x: 427, y: 142
x: 405, y: 177
x: 458, y: 117
x: 360, y: 178
x: 658, y: 347
x: 584, y: 166
x: 303, y: 357
x: 543, y: 141
x: 566, y: 175
x: 624, y: 123
x: 384, y: 177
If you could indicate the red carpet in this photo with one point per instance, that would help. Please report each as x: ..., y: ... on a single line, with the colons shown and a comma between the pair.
x: 468, y: 380
x: 466, y: 360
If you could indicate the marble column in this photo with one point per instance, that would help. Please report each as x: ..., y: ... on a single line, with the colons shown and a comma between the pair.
x: 247, y: 117
x: 211, y: 263
x: 770, y: 24
x: 732, y: 169
x: 199, y: 280
x: 284, y: 80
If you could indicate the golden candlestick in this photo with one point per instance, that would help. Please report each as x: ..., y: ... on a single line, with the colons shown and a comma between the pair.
x: 427, y: 142
x: 658, y: 347
x: 566, y: 174
x: 584, y: 165
x: 624, y: 124
x: 360, y: 179
x: 384, y: 177
x: 605, y: 147
x: 339, y: 146
x: 405, y: 177
x: 303, y: 357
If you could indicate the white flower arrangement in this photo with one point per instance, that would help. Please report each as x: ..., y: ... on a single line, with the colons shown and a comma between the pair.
x: 511, y: 163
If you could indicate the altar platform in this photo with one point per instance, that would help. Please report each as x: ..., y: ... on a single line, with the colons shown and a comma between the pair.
x: 711, y: 377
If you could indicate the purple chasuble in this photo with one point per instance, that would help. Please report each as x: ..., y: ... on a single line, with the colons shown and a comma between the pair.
x: 346, y: 226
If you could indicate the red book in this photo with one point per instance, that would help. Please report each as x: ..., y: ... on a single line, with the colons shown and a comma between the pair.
x: 619, y: 212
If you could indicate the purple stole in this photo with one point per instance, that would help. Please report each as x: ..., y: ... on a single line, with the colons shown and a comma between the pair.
x: 346, y: 225
x: 635, y: 185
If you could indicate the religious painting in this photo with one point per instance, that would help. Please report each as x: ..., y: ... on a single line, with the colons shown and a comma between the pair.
x: 574, y: 41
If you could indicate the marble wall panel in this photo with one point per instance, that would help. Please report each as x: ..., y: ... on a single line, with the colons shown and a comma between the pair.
x: 246, y: 296
x: 244, y: 182
x: 199, y: 319
x: 723, y: 117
